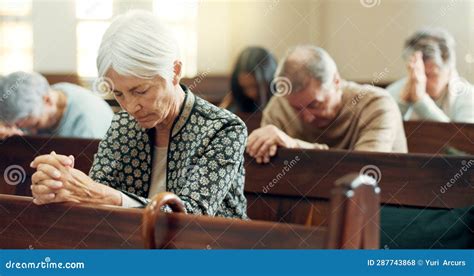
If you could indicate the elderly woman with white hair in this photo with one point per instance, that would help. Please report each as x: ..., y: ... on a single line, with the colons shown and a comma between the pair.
x: 29, y: 105
x: 433, y: 89
x: 166, y: 139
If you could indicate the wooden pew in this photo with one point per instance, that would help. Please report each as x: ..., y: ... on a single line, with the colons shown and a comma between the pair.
x: 354, y: 224
x: 440, y: 138
x: 278, y: 194
x: 422, y: 136
x: 17, y: 152
x: 296, y: 182
x: 57, y: 78
x: 24, y: 225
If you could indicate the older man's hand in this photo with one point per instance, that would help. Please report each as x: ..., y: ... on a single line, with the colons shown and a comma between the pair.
x: 263, y: 143
x: 7, y: 131
x: 57, y: 181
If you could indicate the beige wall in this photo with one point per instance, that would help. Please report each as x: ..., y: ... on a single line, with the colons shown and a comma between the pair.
x: 227, y: 27
x: 366, y: 42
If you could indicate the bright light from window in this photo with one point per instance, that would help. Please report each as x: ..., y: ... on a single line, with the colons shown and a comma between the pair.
x: 94, y: 17
x: 89, y: 35
x: 16, y: 37
x: 16, y: 47
x: 15, y: 7
x: 181, y: 16
x: 176, y: 10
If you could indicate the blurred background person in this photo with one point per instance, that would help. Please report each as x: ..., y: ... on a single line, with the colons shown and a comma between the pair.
x: 29, y: 105
x: 250, y: 81
x: 433, y: 89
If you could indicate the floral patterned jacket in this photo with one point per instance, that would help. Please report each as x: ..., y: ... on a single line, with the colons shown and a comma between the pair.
x: 205, y: 162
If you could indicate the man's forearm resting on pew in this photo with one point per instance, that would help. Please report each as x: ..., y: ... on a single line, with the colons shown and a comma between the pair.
x: 56, y: 180
x: 263, y: 142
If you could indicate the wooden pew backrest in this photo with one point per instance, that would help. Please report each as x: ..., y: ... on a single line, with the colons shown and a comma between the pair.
x: 354, y: 224
x: 55, y: 226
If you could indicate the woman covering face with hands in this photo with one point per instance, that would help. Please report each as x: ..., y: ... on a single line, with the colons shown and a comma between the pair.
x: 433, y: 89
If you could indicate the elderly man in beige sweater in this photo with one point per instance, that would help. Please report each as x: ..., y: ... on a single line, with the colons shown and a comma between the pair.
x: 315, y: 109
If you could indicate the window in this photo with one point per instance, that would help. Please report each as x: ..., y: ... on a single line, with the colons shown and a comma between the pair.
x: 16, y: 36
x: 93, y: 19
x: 94, y: 16
x: 181, y: 15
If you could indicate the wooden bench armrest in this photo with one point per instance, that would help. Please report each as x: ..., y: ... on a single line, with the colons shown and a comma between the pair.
x: 151, y: 213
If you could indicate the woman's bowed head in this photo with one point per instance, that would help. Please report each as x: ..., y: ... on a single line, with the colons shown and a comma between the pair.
x: 146, y: 85
x: 163, y: 130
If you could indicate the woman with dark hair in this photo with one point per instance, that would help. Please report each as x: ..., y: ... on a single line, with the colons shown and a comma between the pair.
x: 251, y: 79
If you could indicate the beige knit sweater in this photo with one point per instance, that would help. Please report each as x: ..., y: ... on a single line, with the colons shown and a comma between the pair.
x: 368, y: 121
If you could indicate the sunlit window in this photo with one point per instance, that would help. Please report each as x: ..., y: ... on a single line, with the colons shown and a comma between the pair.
x: 16, y: 36
x: 93, y: 19
x: 181, y: 15
x: 15, y: 8
x: 89, y: 35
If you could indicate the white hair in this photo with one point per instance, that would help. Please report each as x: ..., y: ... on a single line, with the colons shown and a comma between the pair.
x: 304, y: 62
x: 138, y: 44
x: 436, y: 44
x: 21, y: 95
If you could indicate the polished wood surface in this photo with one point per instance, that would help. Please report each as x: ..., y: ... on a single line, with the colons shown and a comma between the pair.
x: 153, y: 210
x: 295, y: 179
x: 354, y: 215
x: 422, y: 136
x: 26, y: 225
x: 440, y: 138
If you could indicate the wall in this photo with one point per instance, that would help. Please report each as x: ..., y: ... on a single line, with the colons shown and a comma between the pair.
x: 364, y: 41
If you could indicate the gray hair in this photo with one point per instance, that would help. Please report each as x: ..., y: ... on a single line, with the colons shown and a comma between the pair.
x: 21, y: 95
x: 304, y: 62
x: 138, y: 44
x: 436, y: 44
